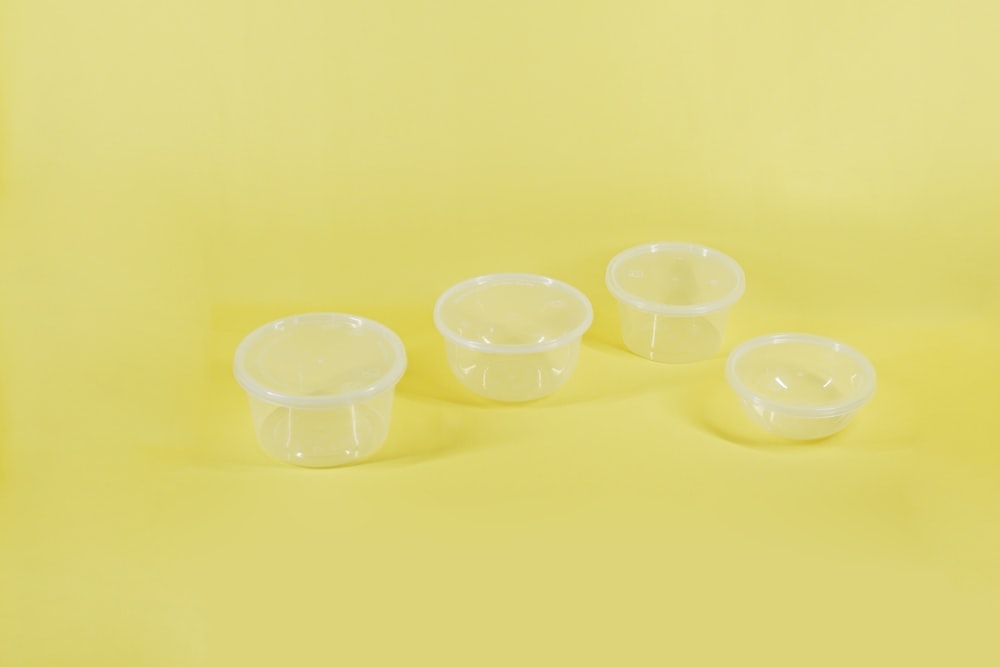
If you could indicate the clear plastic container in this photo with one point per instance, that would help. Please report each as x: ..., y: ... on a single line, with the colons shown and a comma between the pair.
x: 674, y: 299
x: 512, y: 336
x: 800, y: 386
x: 321, y: 386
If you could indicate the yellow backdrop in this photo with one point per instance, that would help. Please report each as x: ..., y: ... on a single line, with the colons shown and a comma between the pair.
x: 173, y: 174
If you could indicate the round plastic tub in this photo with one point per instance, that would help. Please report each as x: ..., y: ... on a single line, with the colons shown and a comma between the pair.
x: 674, y: 299
x: 800, y: 386
x: 512, y: 336
x: 320, y: 386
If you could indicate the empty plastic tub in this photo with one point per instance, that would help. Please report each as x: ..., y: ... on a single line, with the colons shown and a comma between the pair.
x: 674, y: 299
x: 512, y: 336
x: 800, y: 386
x: 321, y: 386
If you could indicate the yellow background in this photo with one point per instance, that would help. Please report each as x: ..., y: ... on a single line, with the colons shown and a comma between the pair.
x: 173, y: 174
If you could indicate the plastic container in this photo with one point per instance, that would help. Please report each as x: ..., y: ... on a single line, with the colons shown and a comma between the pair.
x: 512, y: 336
x: 321, y: 386
x: 800, y: 386
x: 674, y: 299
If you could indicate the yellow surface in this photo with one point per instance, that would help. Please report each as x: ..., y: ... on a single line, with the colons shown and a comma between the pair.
x: 175, y: 173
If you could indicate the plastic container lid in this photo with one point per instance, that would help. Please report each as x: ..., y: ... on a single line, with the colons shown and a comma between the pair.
x: 317, y: 360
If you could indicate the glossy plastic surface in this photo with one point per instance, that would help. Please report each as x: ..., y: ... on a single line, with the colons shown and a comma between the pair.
x: 800, y: 386
x: 512, y: 336
x: 320, y: 386
x: 674, y: 299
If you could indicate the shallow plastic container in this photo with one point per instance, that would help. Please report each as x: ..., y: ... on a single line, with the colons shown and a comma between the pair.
x: 321, y: 386
x: 800, y: 386
x: 674, y: 299
x: 512, y: 336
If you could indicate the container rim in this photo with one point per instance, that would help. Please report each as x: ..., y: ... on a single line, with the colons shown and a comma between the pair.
x: 624, y: 296
x: 258, y: 389
x: 835, y: 409
x: 507, y: 279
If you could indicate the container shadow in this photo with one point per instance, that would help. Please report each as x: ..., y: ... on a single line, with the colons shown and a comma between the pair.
x: 415, y: 440
x: 428, y: 379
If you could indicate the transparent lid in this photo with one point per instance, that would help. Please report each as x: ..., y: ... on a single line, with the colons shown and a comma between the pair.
x: 675, y: 278
x: 801, y: 374
x: 512, y: 313
x: 319, y: 359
